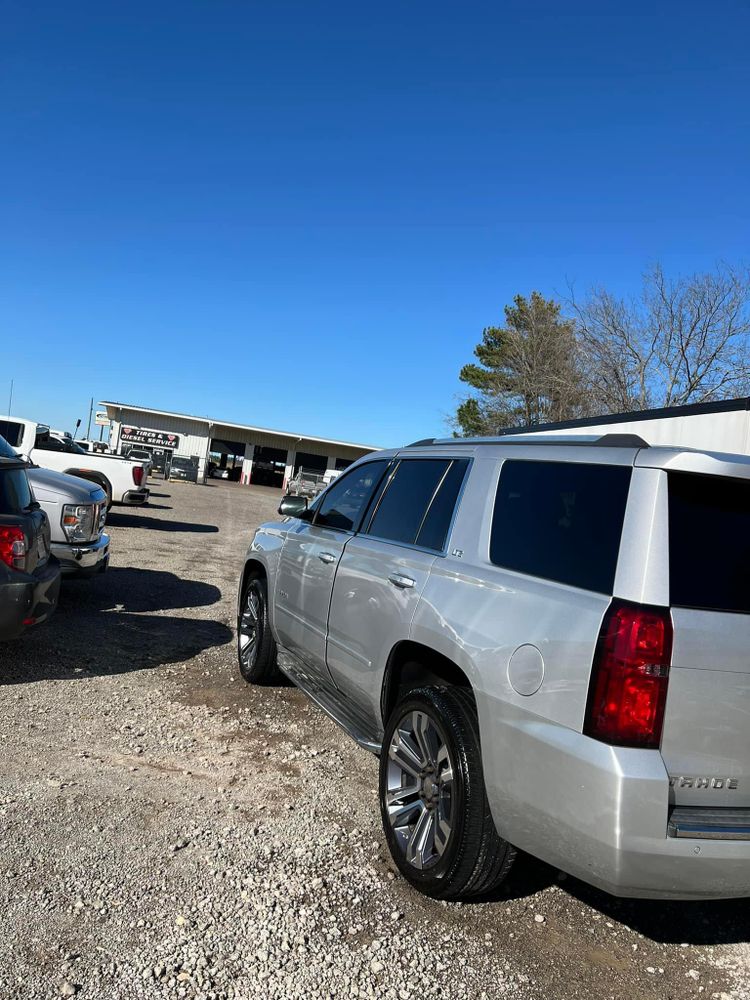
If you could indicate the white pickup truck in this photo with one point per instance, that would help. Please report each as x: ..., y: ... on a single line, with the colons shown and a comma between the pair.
x: 123, y: 480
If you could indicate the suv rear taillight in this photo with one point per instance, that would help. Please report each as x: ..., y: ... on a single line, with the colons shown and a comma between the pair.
x: 12, y: 546
x: 137, y: 474
x: 628, y: 687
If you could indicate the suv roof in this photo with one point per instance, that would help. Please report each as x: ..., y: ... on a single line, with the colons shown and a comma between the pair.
x: 674, y: 457
x: 602, y: 440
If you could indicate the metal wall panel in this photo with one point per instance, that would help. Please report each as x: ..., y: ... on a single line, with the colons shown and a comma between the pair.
x: 729, y: 432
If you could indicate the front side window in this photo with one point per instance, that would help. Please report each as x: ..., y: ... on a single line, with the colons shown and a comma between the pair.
x: 345, y: 501
x: 560, y: 521
x: 418, y: 503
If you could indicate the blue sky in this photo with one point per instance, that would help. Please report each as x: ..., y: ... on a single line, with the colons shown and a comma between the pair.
x: 302, y: 215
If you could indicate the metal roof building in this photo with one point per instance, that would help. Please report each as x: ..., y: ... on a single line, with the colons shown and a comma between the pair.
x: 251, y: 454
x: 720, y: 425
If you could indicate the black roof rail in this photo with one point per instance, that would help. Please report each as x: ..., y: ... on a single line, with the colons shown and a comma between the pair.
x: 422, y: 443
x: 622, y: 441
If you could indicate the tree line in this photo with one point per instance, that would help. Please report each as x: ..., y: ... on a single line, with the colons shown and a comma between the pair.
x: 681, y: 340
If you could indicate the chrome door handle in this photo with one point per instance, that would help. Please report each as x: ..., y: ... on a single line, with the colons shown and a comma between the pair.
x: 401, y: 581
x: 327, y: 557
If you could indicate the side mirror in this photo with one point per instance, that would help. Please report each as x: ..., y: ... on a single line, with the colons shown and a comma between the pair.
x: 292, y: 506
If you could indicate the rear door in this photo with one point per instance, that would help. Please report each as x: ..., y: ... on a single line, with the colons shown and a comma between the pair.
x: 384, y: 569
x: 706, y: 736
x: 309, y: 560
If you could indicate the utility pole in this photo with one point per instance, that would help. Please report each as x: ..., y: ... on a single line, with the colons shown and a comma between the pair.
x: 10, y: 401
x: 88, y: 429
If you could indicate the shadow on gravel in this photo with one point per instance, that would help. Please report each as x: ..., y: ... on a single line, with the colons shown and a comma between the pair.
x: 100, y: 628
x: 724, y: 921
x: 667, y: 922
x: 128, y: 588
x: 119, y: 519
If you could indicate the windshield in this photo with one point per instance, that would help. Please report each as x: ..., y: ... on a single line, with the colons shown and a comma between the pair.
x: 181, y: 463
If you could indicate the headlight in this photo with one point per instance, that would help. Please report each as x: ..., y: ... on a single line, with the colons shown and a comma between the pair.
x: 78, y: 522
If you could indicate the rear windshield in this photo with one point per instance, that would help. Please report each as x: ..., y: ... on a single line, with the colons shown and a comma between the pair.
x: 15, y: 495
x: 709, y: 542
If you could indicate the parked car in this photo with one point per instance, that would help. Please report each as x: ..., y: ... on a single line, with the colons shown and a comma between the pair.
x: 216, y: 472
x: 97, y: 447
x: 141, y: 455
x: 77, y: 512
x: 121, y: 479
x: 29, y: 574
x: 183, y: 470
x: 309, y: 482
x: 546, y: 641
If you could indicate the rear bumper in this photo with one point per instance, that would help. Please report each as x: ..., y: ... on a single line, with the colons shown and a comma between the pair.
x: 82, y: 560
x: 135, y: 498
x: 27, y: 600
x: 600, y: 813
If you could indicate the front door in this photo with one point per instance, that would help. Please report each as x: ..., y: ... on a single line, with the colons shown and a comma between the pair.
x: 309, y: 560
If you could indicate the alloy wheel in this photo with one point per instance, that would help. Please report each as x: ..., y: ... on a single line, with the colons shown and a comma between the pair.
x: 250, y: 627
x: 420, y: 796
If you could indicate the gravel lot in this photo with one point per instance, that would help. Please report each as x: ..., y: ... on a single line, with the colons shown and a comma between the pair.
x: 168, y: 831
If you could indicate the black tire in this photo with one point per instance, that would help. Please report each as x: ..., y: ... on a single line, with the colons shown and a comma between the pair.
x: 474, y: 859
x: 258, y: 663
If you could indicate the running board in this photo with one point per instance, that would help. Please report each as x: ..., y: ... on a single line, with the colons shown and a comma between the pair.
x: 345, y: 715
x: 705, y: 823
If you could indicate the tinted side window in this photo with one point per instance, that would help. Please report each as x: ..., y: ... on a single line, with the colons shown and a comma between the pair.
x: 560, y: 521
x: 346, y: 499
x: 5, y: 449
x: 49, y: 444
x: 437, y: 521
x: 12, y: 432
x: 406, y: 499
x: 709, y: 542
x: 15, y: 494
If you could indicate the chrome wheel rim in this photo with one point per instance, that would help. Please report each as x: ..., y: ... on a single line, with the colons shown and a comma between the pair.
x: 420, y: 799
x: 249, y: 628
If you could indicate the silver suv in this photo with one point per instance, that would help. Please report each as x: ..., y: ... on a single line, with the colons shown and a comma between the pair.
x: 546, y: 640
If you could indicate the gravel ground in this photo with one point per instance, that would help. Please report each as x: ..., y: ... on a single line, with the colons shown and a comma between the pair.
x: 168, y: 831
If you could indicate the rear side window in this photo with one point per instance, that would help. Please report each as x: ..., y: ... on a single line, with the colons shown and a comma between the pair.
x: 433, y: 533
x: 560, y: 521
x: 46, y: 443
x: 418, y: 503
x: 15, y: 493
x: 709, y: 542
x: 12, y: 432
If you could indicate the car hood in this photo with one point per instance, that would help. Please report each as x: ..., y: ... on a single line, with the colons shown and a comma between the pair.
x: 59, y: 487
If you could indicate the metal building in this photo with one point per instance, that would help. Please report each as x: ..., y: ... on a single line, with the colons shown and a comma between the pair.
x: 250, y: 454
x: 719, y: 426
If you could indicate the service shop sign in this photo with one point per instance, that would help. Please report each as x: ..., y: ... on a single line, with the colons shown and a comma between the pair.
x: 141, y: 435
